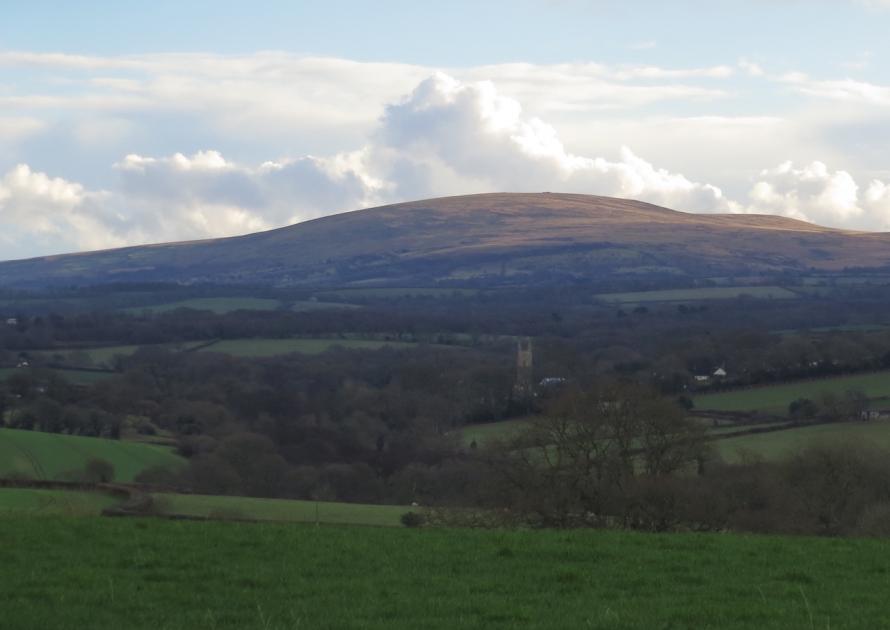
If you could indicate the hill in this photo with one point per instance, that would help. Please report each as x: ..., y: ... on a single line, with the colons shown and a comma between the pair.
x: 53, y: 456
x: 498, y: 239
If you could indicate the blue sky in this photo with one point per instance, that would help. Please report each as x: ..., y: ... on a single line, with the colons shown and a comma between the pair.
x: 125, y: 123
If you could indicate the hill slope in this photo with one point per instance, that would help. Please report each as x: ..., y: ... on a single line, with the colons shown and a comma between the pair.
x: 53, y: 457
x: 491, y: 239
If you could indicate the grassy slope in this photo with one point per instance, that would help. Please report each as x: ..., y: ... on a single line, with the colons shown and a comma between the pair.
x: 458, y: 236
x: 35, y: 501
x: 280, y: 509
x: 778, y: 444
x: 272, y: 347
x: 706, y: 293
x: 103, y: 356
x: 776, y: 398
x: 50, y: 456
x: 113, y: 573
x: 483, y: 433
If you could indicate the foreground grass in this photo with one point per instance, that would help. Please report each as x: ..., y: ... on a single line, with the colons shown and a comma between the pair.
x: 53, y: 456
x: 128, y: 573
x: 776, y: 398
x: 279, y: 509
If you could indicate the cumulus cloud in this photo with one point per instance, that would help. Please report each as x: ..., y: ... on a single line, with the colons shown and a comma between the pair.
x: 447, y: 132
x: 444, y: 137
x: 59, y: 215
x: 815, y: 193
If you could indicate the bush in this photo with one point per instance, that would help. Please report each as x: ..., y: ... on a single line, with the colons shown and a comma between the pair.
x: 413, y: 519
x: 98, y: 471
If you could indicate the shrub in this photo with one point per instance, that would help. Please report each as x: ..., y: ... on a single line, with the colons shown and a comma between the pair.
x: 413, y: 519
x: 98, y: 471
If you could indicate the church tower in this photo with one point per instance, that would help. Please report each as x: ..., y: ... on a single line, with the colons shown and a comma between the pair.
x: 524, y: 361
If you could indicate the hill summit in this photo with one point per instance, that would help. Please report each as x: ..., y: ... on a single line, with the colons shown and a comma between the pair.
x: 497, y: 239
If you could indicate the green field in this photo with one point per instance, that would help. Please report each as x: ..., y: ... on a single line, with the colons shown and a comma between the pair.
x: 103, y: 356
x: 482, y: 433
x: 776, y: 398
x: 306, y: 306
x: 780, y: 444
x: 393, y: 292
x: 37, y: 501
x: 74, y: 573
x: 703, y: 293
x: 274, y: 347
x: 217, y: 305
x: 52, y: 456
x: 279, y: 509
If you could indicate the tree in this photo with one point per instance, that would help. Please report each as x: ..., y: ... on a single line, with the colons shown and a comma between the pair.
x: 99, y: 471
x: 855, y: 404
x: 802, y: 409
x: 573, y: 466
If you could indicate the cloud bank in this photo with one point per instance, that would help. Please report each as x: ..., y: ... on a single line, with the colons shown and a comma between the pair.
x: 444, y: 136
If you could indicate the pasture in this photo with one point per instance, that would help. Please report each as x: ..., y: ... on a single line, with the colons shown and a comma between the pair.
x: 776, y: 398
x: 777, y: 445
x: 698, y: 294
x: 249, y: 508
x: 218, y: 305
x: 308, y: 306
x: 273, y: 347
x: 489, y: 431
x: 103, y: 356
x: 42, y: 502
x: 52, y: 456
x: 110, y: 573
x: 397, y: 292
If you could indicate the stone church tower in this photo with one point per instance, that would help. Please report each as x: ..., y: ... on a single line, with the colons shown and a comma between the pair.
x: 524, y: 362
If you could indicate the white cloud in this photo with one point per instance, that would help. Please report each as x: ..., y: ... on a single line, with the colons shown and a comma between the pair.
x: 55, y: 213
x: 446, y: 136
x: 448, y: 132
x: 815, y: 193
x: 750, y: 68
x: 16, y: 128
x: 848, y: 90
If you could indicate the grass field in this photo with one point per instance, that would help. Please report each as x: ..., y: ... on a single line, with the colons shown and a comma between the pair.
x: 103, y: 356
x: 482, y: 433
x: 703, y: 293
x: 217, y: 305
x: 74, y: 573
x: 780, y: 444
x: 35, y: 501
x: 306, y: 306
x: 279, y: 509
x: 273, y: 347
x: 776, y: 398
x: 393, y: 292
x: 50, y: 456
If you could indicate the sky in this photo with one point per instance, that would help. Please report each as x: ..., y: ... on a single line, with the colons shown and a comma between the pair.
x: 129, y: 123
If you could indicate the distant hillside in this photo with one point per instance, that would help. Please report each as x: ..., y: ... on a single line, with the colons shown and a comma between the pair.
x: 496, y: 239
